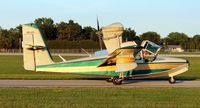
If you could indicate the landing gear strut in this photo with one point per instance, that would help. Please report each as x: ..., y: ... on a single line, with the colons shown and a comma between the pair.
x: 172, y: 80
x: 117, y: 80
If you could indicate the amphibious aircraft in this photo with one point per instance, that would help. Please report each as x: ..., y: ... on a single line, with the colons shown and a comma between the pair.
x: 124, y: 60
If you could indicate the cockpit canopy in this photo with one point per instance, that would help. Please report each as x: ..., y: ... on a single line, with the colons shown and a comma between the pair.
x: 146, y: 47
x: 150, y: 47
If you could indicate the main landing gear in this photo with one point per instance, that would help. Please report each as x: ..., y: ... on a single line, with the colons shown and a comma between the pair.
x: 172, y: 80
x: 109, y: 79
x: 116, y: 80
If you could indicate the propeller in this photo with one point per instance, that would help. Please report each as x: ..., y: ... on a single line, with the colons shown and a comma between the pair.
x: 98, y: 28
x: 99, y: 34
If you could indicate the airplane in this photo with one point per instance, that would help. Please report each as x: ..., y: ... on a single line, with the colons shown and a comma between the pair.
x: 121, y: 60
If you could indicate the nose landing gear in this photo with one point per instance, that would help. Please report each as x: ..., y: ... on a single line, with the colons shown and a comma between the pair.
x: 172, y: 80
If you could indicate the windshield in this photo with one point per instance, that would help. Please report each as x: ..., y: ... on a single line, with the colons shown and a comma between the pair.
x: 152, y: 47
x: 149, y: 53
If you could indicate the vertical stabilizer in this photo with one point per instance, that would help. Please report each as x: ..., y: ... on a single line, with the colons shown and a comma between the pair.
x: 35, y: 51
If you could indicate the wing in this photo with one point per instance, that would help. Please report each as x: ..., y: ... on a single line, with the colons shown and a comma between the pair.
x: 123, y: 58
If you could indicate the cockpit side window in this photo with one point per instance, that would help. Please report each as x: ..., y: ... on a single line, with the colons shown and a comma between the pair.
x: 153, y: 48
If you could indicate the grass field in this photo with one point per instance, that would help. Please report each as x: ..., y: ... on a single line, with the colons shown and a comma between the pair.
x: 11, y: 67
x: 99, y: 97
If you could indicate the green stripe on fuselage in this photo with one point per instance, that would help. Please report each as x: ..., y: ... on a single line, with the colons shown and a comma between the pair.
x: 73, y: 64
x: 96, y: 62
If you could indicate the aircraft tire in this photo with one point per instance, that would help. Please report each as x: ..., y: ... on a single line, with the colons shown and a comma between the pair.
x: 172, y: 80
x: 109, y: 80
x: 117, y: 80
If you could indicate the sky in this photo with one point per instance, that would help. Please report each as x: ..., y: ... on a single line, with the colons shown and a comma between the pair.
x: 161, y: 16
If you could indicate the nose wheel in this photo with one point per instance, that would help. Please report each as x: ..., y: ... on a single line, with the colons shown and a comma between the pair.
x: 172, y: 80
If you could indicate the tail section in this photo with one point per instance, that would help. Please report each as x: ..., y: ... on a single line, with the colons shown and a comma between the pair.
x: 35, y: 50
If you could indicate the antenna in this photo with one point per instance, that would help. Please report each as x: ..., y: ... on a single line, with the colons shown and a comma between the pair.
x: 99, y: 34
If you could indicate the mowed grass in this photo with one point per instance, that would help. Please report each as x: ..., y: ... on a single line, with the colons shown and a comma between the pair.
x: 194, y: 69
x: 11, y: 67
x: 99, y: 97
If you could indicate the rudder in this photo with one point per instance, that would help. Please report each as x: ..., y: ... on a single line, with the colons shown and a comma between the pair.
x: 35, y: 50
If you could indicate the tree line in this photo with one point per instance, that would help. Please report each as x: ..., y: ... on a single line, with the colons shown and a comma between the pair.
x: 73, y: 31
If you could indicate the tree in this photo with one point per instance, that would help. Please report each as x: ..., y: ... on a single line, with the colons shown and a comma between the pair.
x: 47, y: 27
x: 89, y: 33
x: 151, y: 36
x: 177, y: 38
x: 69, y: 31
x: 128, y: 35
x: 190, y: 44
x: 9, y: 38
x: 196, y: 40
x: 19, y: 29
x: 4, y: 38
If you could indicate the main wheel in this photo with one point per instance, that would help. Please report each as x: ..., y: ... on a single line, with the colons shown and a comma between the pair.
x: 109, y: 79
x: 172, y: 80
x: 117, y: 80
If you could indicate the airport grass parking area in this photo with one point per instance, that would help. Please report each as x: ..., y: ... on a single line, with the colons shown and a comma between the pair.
x: 11, y: 67
x: 99, y: 97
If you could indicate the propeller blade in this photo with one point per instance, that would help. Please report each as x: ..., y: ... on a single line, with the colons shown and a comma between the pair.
x: 99, y: 34
x: 98, y: 28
